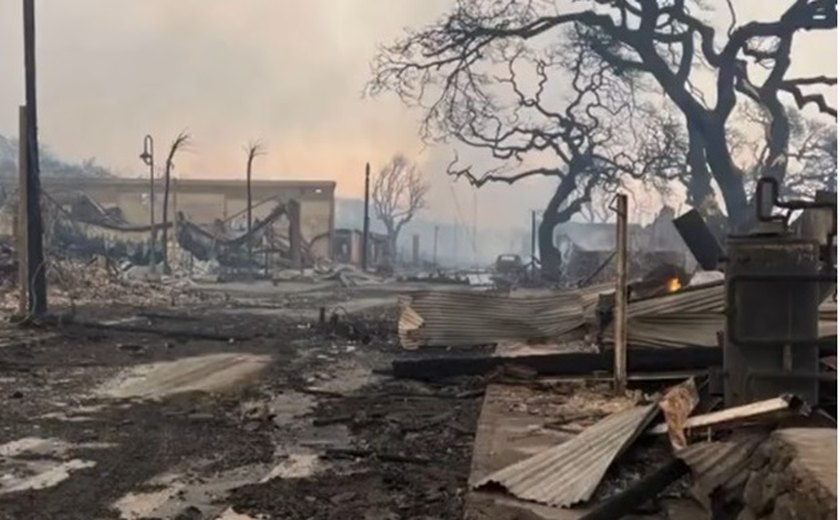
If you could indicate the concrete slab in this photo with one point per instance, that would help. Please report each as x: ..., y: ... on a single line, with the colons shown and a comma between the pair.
x: 209, y: 373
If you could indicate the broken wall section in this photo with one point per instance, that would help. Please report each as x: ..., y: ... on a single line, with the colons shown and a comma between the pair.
x: 793, y: 475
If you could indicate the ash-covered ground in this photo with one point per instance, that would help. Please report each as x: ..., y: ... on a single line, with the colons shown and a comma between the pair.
x: 150, y: 413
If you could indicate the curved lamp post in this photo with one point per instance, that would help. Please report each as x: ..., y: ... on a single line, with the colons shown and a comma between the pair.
x: 148, y: 157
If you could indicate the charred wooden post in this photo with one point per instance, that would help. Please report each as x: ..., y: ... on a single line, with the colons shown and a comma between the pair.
x: 620, y: 362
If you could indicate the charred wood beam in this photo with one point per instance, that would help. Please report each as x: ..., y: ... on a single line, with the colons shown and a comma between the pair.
x: 618, y: 506
x: 576, y: 363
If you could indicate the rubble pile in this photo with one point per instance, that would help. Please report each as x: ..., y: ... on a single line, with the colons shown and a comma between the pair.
x: 780, y: 485
x: 73, y: 282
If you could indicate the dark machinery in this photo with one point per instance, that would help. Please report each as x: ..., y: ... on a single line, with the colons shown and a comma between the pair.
x: 775, y: 281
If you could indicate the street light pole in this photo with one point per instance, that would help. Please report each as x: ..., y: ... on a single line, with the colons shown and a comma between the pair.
x: 148, y: 157
x: 366, y: 223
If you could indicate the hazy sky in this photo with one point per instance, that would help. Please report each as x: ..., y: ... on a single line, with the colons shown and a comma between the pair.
x: 288, y: 72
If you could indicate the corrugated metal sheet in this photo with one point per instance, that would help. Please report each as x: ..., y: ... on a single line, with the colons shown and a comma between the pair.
x: 721, y: 465
x: 569, y: 473
x: 691, y: 317
x: 448, y: 318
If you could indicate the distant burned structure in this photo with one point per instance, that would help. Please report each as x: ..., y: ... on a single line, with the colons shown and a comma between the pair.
x: 587, y: 249
x: 117, y: 209
x: 348, y: 245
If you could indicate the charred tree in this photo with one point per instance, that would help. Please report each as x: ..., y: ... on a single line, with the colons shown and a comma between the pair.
x: 450, y: 68
x: 399, y: 193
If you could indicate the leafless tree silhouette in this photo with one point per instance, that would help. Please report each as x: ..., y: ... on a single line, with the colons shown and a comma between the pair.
x: 448, y: 68
x: 399, y: 193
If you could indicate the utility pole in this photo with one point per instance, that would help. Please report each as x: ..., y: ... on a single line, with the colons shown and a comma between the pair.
x: 36, y: 270
x: 434, y: 248
x: 620, y: 327
x: 21, y: 228
x: 533, y: 241
x: 366, y: 224
x: 148, y: 157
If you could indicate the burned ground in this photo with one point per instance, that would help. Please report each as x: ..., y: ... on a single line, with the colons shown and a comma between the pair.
x: 313, y: 433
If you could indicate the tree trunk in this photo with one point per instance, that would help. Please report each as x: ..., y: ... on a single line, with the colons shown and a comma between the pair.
x: 393, y: 235
x: 729, y: 178
x: 550, y: 258
x: 250, y: 220
x: 699, y: 187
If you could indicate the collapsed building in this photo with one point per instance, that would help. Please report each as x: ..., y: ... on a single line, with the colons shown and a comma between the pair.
x: 292, y: 221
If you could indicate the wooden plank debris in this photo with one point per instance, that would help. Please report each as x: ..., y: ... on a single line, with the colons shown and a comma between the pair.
x: 759, y: 412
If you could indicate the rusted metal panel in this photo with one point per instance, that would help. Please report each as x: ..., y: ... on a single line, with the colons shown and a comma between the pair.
x: 450, y: 318
x: 569, y: 473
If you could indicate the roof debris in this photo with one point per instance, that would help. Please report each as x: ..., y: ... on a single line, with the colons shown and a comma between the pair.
x: 450, y: 318
x: 569, y: 473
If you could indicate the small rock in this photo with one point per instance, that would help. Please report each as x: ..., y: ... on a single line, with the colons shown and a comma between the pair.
x: 130, y: 347
x: 17, y: 394
x: 343, y: 497
x: 381, y: 514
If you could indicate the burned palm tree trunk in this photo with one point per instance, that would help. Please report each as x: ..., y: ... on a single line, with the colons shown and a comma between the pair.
x: 180, y: 142
x: 253, y: 150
